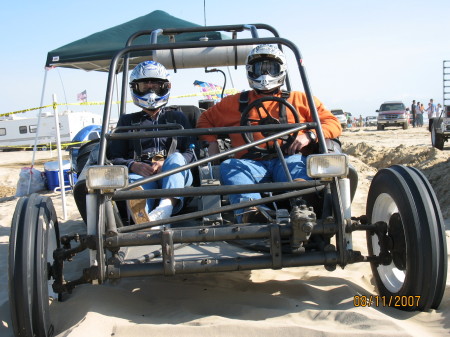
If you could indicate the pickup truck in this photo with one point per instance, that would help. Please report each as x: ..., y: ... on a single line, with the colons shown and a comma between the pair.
x: 392, y: 113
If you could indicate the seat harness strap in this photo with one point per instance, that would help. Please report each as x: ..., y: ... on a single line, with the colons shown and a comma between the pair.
x: 137, y: 145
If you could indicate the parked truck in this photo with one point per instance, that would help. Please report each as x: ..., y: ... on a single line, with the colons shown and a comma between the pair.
x: 392, y: 113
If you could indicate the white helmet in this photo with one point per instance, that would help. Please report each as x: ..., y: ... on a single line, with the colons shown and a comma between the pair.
x: 150, y: 85
x: 266, y: 67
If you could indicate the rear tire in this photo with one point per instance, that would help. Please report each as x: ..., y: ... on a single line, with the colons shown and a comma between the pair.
x: 437, y: 140
x: 416, y: 275
x: 34, y: 237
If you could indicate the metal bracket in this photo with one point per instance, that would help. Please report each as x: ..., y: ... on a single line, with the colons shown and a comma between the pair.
x: 207, y: 178
x: 303, y: 221
x: 168, y: 252
x: 275, y: 246
x: 282, y: 216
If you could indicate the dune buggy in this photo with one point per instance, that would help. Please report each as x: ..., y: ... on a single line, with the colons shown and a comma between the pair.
x: 311, y: 225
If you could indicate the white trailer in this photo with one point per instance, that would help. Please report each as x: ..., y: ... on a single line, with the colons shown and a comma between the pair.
x: 21, y: 131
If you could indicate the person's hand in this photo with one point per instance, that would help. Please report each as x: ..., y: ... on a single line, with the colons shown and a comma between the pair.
x: 157, y: 165
x: 146, y: 170
x: 299, y: 143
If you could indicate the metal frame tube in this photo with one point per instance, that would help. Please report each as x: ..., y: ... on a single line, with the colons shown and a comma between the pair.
x: 227, y: 208
x: 91, y: 223
x: 214, y: 190
x: 208, y: 234
x: 180, y: 132
x: 222, y: 265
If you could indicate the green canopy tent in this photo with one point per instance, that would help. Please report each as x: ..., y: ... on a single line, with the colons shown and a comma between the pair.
x: 95, y: 51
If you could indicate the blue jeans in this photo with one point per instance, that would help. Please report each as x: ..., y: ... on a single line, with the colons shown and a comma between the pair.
x: 177, y: 180
x: 249, y: 172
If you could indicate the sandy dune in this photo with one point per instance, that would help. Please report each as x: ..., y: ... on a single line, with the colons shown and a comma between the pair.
x: 307, y: 301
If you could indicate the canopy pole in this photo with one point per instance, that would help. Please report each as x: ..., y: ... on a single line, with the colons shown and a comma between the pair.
x: 38, y: 125
x: 60, y: 163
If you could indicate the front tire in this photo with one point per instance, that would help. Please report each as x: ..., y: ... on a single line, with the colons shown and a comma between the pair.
x: 417, y: 265
x: 34, y: 237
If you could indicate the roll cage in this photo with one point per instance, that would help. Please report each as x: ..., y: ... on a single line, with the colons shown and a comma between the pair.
x: 115, y: 231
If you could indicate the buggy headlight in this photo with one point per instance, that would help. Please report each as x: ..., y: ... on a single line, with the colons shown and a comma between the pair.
x: 327, y: 165
x: 106, y: 177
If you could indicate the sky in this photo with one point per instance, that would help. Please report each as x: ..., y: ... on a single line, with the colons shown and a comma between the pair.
x: 357, y: 53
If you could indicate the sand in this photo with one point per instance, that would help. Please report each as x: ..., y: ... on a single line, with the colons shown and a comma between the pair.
x: 306, y: 301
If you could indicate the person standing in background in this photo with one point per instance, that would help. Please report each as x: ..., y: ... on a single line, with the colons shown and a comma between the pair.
x: 419, y: 114
x: 413, y: 111
x: 438, y: 110
x: 431, y: 110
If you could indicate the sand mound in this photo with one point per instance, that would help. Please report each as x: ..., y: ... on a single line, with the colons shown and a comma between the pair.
x: 380, y: 157
x: 433, y: 163
x: 7, y: 191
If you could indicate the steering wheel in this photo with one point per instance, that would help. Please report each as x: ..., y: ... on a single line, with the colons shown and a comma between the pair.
x: 267, y: 119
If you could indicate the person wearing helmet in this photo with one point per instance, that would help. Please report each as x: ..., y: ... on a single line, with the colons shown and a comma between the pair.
x: 150, y: 90
x: 266, y: 73
x: 266, y: 69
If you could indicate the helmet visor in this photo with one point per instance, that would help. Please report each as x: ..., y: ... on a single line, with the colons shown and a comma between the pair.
x: 148, y: 85
x: 265, y: 67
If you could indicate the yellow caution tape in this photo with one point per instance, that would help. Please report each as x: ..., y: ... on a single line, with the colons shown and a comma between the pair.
x: 25, y: 110
x: 54, y: 105
x: 39, y: 146
x: 208, y: 93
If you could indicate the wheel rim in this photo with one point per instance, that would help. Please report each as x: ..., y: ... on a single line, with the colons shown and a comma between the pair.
x: 385, y: 209
x: 397, y: 238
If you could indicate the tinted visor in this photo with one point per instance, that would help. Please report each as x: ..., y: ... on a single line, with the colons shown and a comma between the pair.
x: 265, y: 67
x: 146, y: 86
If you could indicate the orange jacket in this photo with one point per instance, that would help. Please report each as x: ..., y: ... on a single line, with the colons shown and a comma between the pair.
x: 226, y: 113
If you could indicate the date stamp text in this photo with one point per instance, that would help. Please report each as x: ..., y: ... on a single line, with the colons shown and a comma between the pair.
x: 385, y: 301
